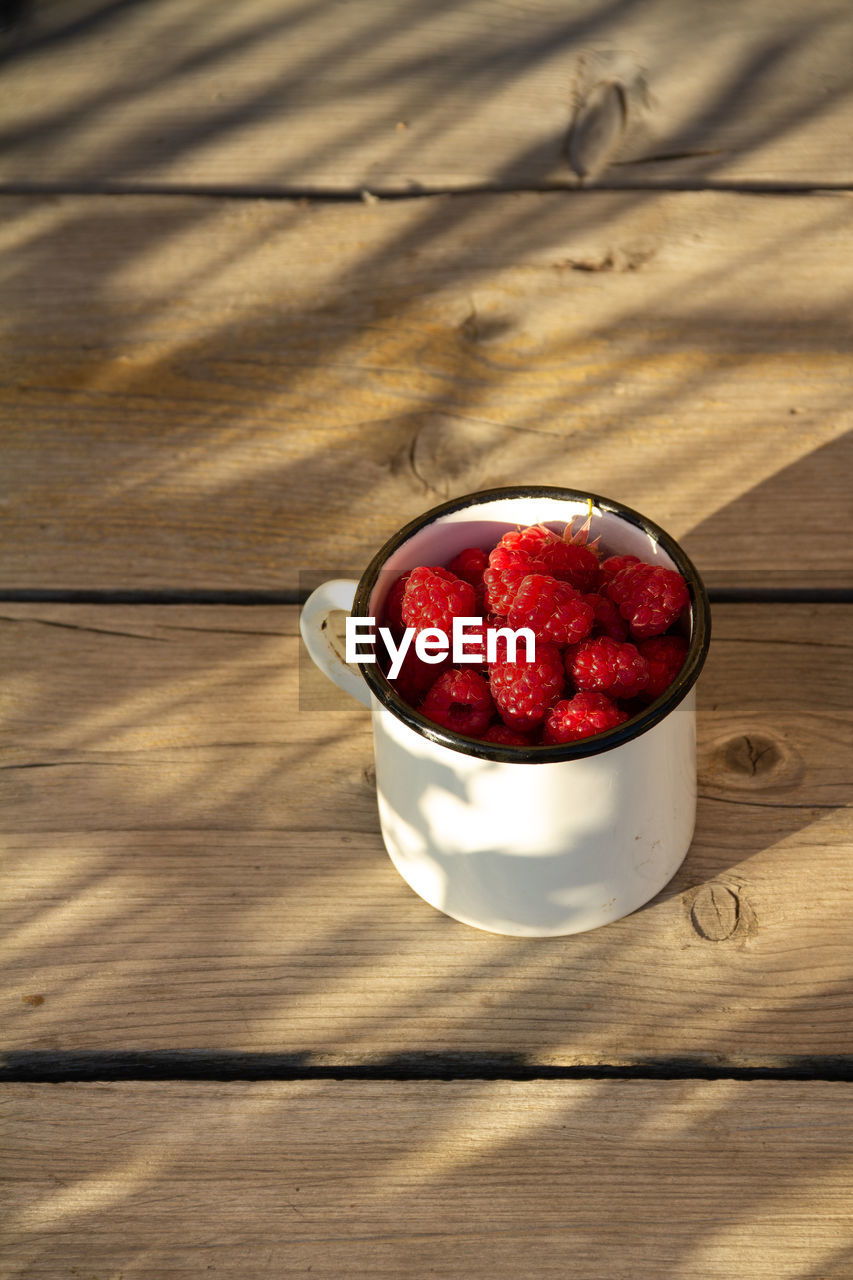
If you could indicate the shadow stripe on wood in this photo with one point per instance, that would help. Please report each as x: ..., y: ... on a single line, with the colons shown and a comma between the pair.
x: 664, y: 1180
x: 398, y: 97
x: 208, y: 396
x: 193, y: 863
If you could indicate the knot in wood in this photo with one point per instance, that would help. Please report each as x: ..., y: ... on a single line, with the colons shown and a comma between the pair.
x: 715, y: 912
x: 752, y: 754
x: 597, y: 129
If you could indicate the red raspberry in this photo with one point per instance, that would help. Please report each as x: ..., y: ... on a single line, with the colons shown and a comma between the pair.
x: 613, y: 565
x: 506, y: 736
x: 475, y: 646
x: 394, y: 605
x: 469, y: 565
x: 553, y: 610
x: 650, y: 598
x: 665, y: 657
x: 434, y: 597
x: 478, y: 645
x: 507, y: 569
x: 607, y: 666
x: 581, y: 717
x: 532, y: 541
x: 607, y: 620
x: 523, y: 691
x: 416, y: 677
x: 501, y: 643
x: 460, y: 700
x: 570, y: 563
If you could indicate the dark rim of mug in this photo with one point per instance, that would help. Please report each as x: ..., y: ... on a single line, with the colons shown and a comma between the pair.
x: 632, y: 728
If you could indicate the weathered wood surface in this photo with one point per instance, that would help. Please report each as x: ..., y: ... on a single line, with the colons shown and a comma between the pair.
x: 193, y: 864
x: 617, y: 1180
x: 392, y: 96
x: 215, y: 394
x: 220, y: 394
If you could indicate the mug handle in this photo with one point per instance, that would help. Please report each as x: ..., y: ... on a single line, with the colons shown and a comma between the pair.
x: 338, y: 593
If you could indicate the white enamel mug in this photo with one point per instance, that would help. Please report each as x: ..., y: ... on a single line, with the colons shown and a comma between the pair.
x: 538, y: 841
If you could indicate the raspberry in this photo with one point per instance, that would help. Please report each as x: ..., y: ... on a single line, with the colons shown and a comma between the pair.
x: 460, y: 700
x: 553, y: 610
x: 607, y: 620
x: 478, y: 642
x: 434, y: 597
x: 469, y: 565
x: 571, y: 563
x: 615, y: 564
x: 506, y: 736
x: 584, y: 715
x: 507, y: 569
x: 416, y: 677
x: 523, y: 691
x: 607, y: 666
x: 665, y: 657
x: 601, y: 629
x: 650, y: 598
x: 394, y: 605
x: 532, y: 541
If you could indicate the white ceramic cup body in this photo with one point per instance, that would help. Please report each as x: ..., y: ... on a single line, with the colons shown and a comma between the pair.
x: 573, y: 837
x: 537, y: 850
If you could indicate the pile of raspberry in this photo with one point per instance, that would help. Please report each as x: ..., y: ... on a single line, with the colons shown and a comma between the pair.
x: 609, y: 637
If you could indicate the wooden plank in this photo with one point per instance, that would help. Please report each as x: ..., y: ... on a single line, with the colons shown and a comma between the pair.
x: 618, y: 1180
x: 214, y: 394
x: 192, y: 863
x: 399, y: 96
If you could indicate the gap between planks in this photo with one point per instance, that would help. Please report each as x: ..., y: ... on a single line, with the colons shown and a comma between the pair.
x: 297, y: 597
x: 71, y: 1067
x: 375, y: 195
